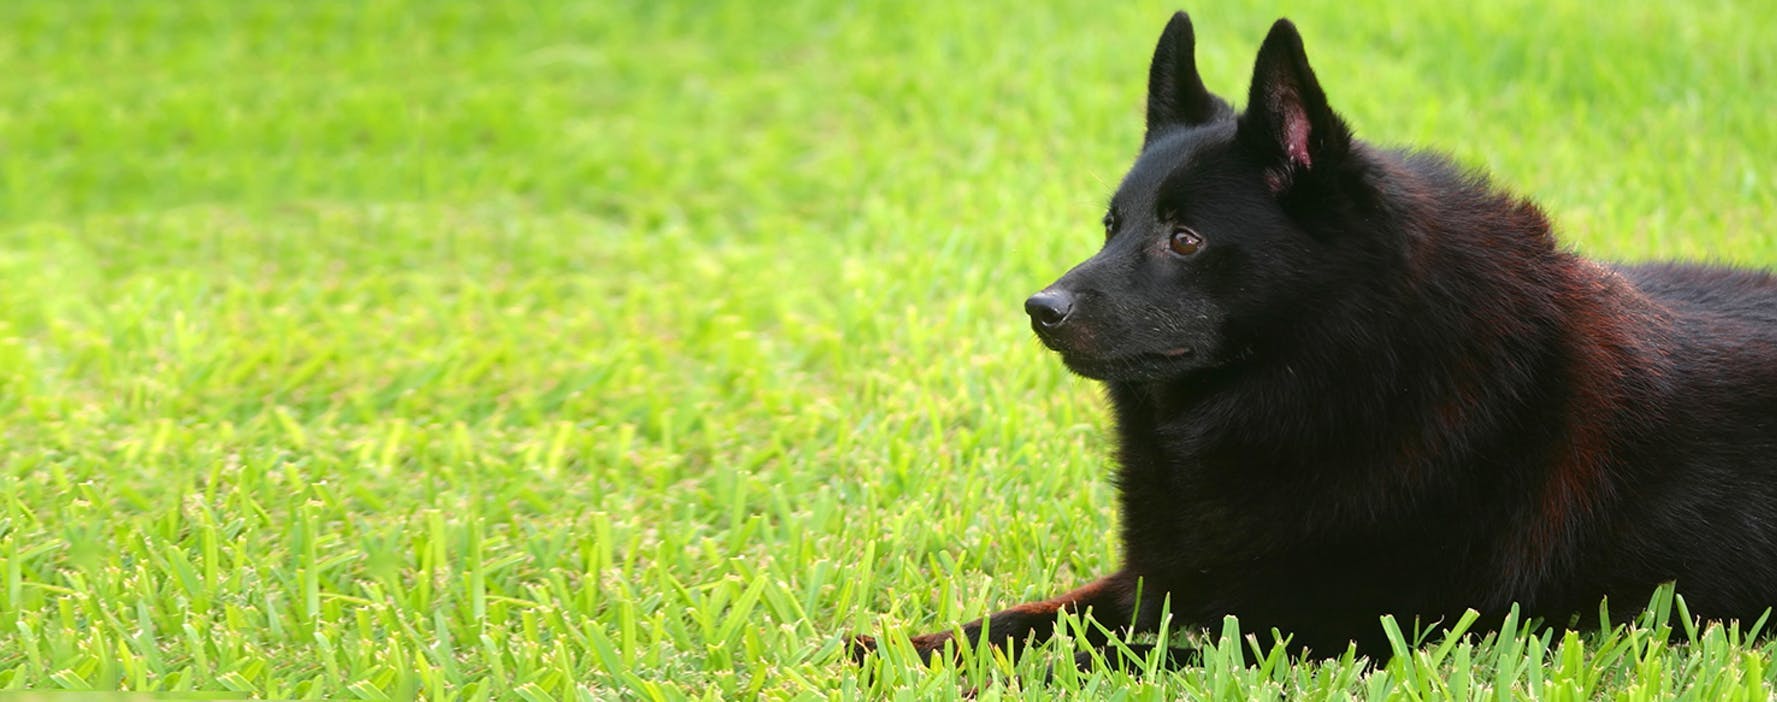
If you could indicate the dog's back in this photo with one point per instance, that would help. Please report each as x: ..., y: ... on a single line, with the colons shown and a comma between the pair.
x: 1731, y: 294
x: 1698, y: 496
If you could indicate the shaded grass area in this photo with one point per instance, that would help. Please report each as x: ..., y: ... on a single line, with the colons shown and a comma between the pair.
x: 598, y: 350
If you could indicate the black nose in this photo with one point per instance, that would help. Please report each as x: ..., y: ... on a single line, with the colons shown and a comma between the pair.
x: 1049, y: 308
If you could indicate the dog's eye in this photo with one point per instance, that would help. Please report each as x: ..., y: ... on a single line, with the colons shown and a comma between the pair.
x: 1110, y: 225
x: 1184, y: 241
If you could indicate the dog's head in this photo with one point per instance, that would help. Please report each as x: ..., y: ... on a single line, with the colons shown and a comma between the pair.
x: 1222, y: 229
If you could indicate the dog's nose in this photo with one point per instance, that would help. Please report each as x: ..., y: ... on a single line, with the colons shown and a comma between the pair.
x: 1049, y: 308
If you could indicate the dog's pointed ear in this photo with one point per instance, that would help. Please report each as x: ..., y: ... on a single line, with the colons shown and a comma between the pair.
x: 1176, y: 96
x: 1287, y: 120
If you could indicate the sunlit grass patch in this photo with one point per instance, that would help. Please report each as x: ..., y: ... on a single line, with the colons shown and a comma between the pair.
x: 628, y: 350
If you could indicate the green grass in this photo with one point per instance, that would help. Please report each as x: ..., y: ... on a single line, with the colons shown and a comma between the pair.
x: 642, y: 350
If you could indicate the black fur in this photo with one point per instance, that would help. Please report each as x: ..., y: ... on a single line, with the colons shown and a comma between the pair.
x: 1377, y: 385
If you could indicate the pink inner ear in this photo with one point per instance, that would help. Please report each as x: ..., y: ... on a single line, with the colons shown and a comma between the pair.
x: 1295, y: 134
x: 1288, y: 107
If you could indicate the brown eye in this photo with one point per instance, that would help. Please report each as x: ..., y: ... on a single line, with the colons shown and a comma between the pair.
x: 1185, y: 242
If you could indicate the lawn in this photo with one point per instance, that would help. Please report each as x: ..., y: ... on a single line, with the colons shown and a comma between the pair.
x: 546, y: 350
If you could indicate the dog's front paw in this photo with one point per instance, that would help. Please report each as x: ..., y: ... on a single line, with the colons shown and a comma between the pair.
x: 860, y: 647
x: 928, y: 646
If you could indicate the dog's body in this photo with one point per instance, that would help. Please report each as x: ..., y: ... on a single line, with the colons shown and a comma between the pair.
x: 1351, y: 382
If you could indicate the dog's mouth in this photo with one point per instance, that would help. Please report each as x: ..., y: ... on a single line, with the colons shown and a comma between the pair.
x: 1145, y: 365
x: 1174, y: 353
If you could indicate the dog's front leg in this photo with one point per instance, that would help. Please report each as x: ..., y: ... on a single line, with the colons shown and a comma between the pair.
x: 1110, y: 599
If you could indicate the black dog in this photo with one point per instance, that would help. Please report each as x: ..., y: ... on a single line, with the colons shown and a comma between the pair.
x: 1352, y: 381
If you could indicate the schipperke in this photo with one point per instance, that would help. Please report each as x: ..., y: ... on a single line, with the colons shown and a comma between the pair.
x: 1351, y: 381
